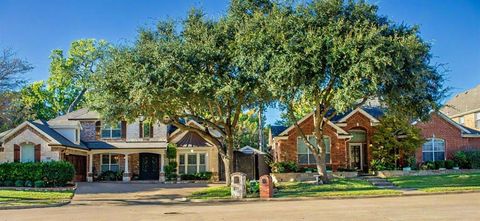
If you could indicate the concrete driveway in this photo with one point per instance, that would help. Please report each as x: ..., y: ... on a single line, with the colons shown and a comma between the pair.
x: 91, y: 193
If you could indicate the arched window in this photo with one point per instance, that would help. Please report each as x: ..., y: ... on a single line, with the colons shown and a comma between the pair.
x: 433, y: 150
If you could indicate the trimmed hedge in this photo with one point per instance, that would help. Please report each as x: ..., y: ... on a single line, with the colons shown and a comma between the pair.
x: 54, y: 173
x: 197, y: 176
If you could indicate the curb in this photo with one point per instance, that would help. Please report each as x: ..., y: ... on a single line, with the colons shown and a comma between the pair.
x: 36, y: 206
x: 326, y: 197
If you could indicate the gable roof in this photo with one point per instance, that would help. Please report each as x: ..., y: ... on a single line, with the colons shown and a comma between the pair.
x: 277, y: 130
x: 466, y: 131
x: 80, y: 114
x: 463, y: 103
x: 339, y: 130
x: 372, y: 112
x: 43, y: 128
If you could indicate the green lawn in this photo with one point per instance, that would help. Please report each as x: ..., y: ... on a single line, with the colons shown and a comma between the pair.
x: 338, y: 188
x: 440, y: 183
x: 25, y: 198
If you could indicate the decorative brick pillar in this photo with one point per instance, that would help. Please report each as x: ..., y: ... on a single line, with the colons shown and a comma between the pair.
x: 266, y: 186
x: 90, y: 168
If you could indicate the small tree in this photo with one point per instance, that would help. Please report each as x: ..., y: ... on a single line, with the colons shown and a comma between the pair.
x: 395, y: 139
x: 170, y: 168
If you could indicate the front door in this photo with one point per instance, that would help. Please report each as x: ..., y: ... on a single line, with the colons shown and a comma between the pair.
x: 80, y: 165
x: 149, y: 166
x: 356, y: 158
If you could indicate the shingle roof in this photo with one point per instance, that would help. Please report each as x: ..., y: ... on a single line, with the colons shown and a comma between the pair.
x: 277, y: 129
x: 374, y: 111
x: 192, y: 139
x: 463, y: 102
x: 81, y: 114
x: 43, y: 126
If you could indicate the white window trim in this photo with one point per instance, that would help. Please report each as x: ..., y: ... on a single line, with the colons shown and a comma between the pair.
x: 309, y: 152
x: 21, y: 153
x: 185, y: 165
x: 109, y: 162
x: 432, y: 139
x: 111, y: 129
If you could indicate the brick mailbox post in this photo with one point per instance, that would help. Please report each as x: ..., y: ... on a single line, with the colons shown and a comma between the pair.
x: 266, y: 186
x: 238, y: 187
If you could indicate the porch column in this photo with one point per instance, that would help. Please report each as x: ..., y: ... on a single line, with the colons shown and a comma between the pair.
x: 126, y: 173
x: 90, y: 168
x: 161, y: 177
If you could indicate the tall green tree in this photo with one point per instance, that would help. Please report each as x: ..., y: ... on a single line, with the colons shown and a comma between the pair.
x: 12, y: 70
x: 331, y: 56
x: 198, y: 74
x: 70, y: 79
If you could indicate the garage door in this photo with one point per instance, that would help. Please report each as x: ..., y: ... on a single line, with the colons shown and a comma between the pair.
x: 80, y: 164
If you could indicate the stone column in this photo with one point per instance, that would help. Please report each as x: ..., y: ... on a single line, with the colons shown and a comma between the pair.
x: 161, y: 177
x: 126, y: 173
x: 90, y: 168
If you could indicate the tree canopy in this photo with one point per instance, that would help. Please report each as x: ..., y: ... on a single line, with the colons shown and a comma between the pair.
x: 331, y: 56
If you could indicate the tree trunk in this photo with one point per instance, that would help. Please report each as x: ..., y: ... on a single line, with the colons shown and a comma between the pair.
x: 320, y: 156
x: 229, y: 160
x: 75, y: 102
x: 228, y: 170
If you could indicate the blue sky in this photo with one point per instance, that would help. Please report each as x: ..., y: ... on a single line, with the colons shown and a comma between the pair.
x: 33, y: 28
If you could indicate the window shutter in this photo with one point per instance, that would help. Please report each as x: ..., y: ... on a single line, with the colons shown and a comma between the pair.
x: 140, y: 129
x: 16, y: 153
x: 38, y: 149
x: 124, y: 129
x: 98, y: 127
x: 151, y: 130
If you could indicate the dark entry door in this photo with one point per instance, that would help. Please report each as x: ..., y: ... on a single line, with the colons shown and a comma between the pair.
x: 149, y: 166
x: 356, y: 156
x: 80, y: 165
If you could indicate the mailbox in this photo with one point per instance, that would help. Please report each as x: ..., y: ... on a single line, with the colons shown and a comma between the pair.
x: 238, y: 188
x: 266, y: 186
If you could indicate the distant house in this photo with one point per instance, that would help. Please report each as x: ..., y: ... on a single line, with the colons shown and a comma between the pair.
x: 464, y: 108
x: 348, y: 138
x: 94, y: 146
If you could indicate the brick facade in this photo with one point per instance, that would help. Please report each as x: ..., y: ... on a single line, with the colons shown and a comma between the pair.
x: 285, y: 149
x: 440, y: 128
x: 88, y: 132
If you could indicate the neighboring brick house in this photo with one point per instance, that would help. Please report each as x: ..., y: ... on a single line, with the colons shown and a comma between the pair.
x: 444, y: 137
x: 348, y: 138
x: 82, y: 138
x: 464, y: 108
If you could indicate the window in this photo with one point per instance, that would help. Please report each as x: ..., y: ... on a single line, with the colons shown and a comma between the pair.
x: 192, y: 163
x: 111, y: 131
x: 77, y: 136
x: 110, y: 162
x: 304, y: 154
x: 461, y: 120
x: 433, y: 150
x: 181, y: 164
x: 146, y: 130
x: 477, y: 120
x: 27, y: 153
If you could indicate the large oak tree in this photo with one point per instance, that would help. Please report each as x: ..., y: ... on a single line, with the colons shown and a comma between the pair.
x: 330, y: 56
x: 197, y: 73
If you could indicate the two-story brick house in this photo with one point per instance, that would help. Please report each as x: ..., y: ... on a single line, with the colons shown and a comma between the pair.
x: 93, y: 146
x: 348, y: 138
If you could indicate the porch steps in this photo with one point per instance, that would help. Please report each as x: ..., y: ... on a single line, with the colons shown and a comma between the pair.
x: 379, y: 182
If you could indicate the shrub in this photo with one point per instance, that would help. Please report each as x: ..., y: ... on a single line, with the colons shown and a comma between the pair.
x: 170, y: 170
x: 284, y: 167
x: 253, y: 186
x: 343, y: 169
x: 8, y: 183
x: 197, y: 176
x: 54, y: 173
x: 428, y: 165
x: 439, y: 164
x: 1, y: 183
x: 39, y: 184
x: 19, y: 183
x: 110, y: 176
x: 28, y: 183
x: 467, y: 159
x: 449, y: 164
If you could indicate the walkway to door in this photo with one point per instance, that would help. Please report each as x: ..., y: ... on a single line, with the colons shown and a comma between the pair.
x: 118, y: 192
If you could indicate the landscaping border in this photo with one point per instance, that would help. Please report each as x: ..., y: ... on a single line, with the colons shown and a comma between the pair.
x: 397, y: 173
